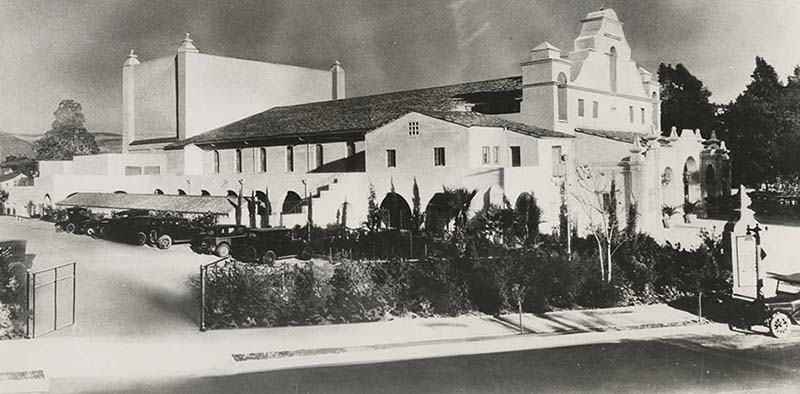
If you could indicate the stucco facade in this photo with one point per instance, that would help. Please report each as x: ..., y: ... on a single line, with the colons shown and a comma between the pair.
x: 215, y: 125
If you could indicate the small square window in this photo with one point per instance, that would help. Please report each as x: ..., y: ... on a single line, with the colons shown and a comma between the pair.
x: 438, y: 157
x: 485, y: 155
x: 413, y: 128
x: 580, y: 108
x: 595, y: 109
x: 391, y: 158
x: 496, y: 155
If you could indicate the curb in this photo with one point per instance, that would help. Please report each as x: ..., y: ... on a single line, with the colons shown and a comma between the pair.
x: 286, y: 354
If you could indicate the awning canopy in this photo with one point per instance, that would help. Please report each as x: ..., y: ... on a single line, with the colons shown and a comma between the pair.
x: 152, y: 202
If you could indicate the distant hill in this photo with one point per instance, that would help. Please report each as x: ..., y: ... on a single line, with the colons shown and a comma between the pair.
x: 10, y: 145
x: 107, y: 142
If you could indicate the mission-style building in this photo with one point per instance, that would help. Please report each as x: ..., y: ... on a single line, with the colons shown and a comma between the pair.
x: 196, y: 124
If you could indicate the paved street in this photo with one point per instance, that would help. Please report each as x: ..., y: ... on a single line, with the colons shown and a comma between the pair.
x: 629, y: 366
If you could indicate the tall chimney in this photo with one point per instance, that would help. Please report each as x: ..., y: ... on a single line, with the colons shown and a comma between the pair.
x: 128, y: 109
x: 337, y: 76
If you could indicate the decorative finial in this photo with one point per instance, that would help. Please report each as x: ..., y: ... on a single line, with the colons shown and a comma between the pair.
x: 637, y: 146
x: 673, y: 134
x: 187, y: 45
x: 132, y: 59
x: 653, y: 133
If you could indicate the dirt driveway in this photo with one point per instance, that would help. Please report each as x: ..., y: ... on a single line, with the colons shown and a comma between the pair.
x: 122, y: 290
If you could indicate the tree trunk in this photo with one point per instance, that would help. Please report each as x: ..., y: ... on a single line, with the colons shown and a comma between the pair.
x: 600, y: 257
x: 608, y: 257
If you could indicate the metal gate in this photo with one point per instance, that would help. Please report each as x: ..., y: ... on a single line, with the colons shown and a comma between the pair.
x: 51, y: 299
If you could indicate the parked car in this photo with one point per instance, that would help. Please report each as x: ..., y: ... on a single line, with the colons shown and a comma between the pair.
x: 98, y: 229
x: 127, y: 229
x: 217, y: 239
x: 265, y: 245
x: 778, y: 313
x: 164, y: 232
x: 73, y: 217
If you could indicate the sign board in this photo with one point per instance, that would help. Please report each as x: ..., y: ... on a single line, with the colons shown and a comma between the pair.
x: 745, y: 267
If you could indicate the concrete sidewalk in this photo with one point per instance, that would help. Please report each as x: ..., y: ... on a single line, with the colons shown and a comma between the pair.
x: 223, y: 352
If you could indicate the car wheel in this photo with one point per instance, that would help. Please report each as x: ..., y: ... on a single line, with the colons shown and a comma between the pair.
x: 164, y: 242
x: 70, y: 228
x: 305, y: 254
x: 249, y: 255
x: 780, y: 325
x: 223, y: 250
x: 98, y: 233
x: 152, y: 236
x: 141, y: 238
x: 268, y: 258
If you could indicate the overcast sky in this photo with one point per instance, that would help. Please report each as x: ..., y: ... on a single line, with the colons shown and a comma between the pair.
x: 50, y: 50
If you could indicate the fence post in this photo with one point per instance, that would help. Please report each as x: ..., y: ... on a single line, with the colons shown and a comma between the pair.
x: 28, y: 306
x: 55, y: 299
x: 74, y: 289
x: 203, y: 298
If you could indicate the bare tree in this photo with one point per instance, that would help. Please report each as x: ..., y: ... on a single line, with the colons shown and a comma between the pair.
x: 596, y: 195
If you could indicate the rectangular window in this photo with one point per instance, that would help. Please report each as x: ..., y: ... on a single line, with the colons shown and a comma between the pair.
x: 239, y: 160
x: 595, y: 109
x: 413, y: 128
x: 515, y: 157
x: 152, y: 170
x: 391, y: 158
x: 580, y: 108
x: 438, y: 157
x: 496, y: 155
x: 131, y: 170
x: 642, y: 112
x: 630, y: 113
x: 289, y: 159
x: 485, y: 155
x: 262, y: 159
x: 558, y: 163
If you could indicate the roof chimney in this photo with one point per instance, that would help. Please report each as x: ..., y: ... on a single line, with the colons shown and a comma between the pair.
x: 337, y: 78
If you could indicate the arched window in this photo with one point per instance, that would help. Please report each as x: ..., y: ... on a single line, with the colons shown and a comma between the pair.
x: 204, y: 193
x: 238, y: 160
x: 216, y: 162
x: 181, y: 192
x: 262, y: 159
x: 158, y: 191
x: 289, y: 159
x: 318, y: 156
x: 612, y: 68
x: 562, y: 96
x: 292, y: 203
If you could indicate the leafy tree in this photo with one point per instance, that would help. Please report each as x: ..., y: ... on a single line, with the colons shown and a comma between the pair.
x: 761, y: 128
x: 528, y: 216
x: 458, y: 202
x: 29, y: 167
x: 68, y: 136
x: 373, y: 222
x: 3, y: 196
x: 416, y: 211
x: 684, y: 100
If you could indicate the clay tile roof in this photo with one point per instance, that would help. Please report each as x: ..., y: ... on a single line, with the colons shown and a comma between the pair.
x: 151, y: 202
x: 623, y: 136
x: 10, y: 175
x: 470, y: 119
x: 351, y: 115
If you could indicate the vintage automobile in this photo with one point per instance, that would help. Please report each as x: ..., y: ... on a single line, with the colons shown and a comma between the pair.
x: 125, y: 229
x: 217, y: 239
x: 97, y: 228
x: 265, y: 245
x: 74, y: 216
x: 164, y: 232
x: 777, y: 313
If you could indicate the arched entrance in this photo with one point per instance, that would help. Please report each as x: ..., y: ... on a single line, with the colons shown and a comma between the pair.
x: 158, y: 192
x: 691, y: 181
x: 529, y: 215
x: 292, y: 203
x: 396, y: 212
x: 437, y: 214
